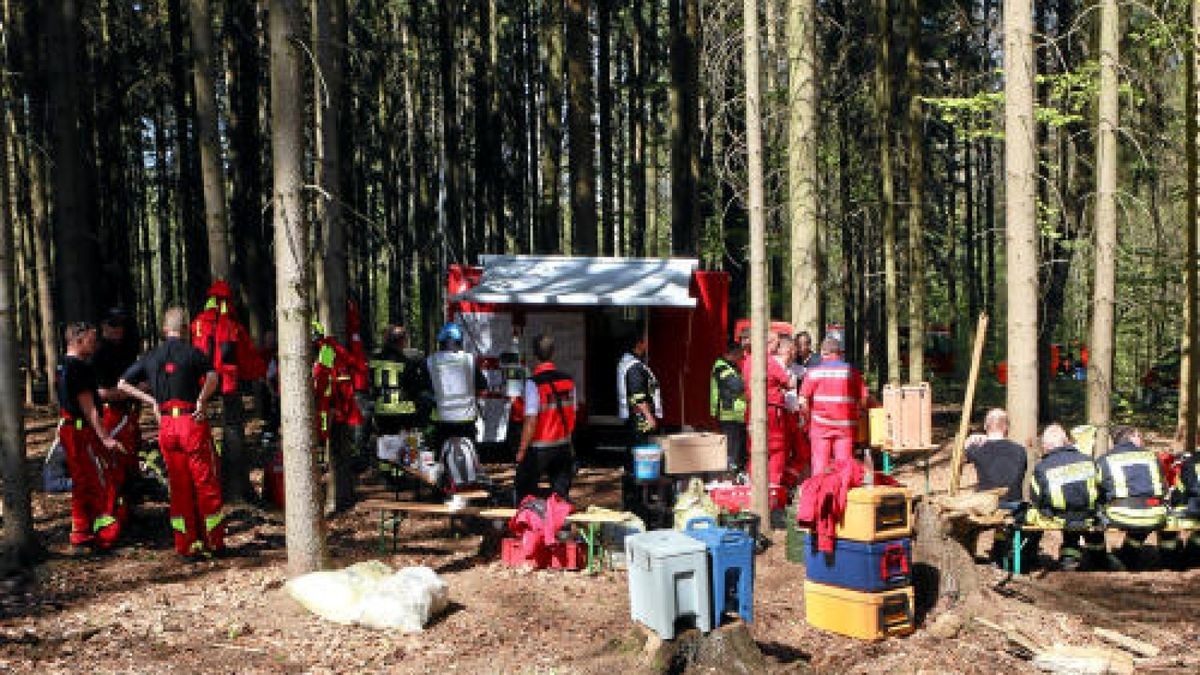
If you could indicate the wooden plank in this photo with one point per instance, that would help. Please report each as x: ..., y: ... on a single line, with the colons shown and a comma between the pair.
x: 1127, y: 643
x: 964, y: 424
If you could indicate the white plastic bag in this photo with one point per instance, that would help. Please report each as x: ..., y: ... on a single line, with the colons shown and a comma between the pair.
x: 370, y: 594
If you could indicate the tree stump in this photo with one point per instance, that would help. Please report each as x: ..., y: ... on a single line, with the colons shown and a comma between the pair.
x: 943, y: 561
x: 728, y: 649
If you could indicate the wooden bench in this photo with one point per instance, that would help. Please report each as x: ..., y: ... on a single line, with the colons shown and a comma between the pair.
x: 997, y: 522
x: 392, y: 513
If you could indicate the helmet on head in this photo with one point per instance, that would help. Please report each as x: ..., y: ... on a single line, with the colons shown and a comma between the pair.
x: 450, y: 332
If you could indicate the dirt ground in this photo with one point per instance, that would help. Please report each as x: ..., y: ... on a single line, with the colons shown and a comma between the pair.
x: 141, y: 609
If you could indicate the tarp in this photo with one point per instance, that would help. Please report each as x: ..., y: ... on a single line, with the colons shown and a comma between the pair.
x: 582, y: 281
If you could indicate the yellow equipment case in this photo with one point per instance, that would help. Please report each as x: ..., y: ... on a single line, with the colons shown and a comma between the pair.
x: 876, y: 513
x: 866, y: 616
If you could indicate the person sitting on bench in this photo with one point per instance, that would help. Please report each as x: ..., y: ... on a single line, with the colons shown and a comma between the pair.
x: 1000, y: 463
x: 1063, y: 493
x: 1132, y: 495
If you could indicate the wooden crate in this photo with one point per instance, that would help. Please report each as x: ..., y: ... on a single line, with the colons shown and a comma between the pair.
x: 909, y: 410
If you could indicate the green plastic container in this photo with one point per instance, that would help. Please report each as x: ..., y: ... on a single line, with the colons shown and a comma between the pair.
x: 795, y: 538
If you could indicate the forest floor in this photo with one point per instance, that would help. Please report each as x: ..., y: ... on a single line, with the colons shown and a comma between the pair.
x: 141, y: 609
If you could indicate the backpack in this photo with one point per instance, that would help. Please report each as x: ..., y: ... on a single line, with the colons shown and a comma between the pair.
x: 463, y: 468
x: 537, y: 522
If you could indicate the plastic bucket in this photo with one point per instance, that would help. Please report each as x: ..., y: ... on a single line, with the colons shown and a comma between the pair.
x: 647, y: 462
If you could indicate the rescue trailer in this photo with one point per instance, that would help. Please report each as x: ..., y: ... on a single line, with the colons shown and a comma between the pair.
x: 591, y: 306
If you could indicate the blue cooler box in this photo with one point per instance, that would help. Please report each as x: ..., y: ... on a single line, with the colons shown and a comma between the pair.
x: 861, y: 566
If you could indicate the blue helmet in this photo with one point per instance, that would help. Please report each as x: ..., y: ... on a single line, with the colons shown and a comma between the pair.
x: 449, y: 332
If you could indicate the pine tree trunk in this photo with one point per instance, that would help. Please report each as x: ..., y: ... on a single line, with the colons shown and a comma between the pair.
x: 1020, y: 168
x: 916, y: 199
x: 581, y: 140
x: 75, y: 241
x: 17, y: 537
x: 758, y: 264
x: 304, y: 526
x: 883, y: 112
x: 1189, y: 396
x: 802, y: 165
x: 548, y: 239
x: 604, y: 96
x: 453, y: 170
x: 329, y: 37
x: 1100, y: 363
x: 637, y: 131
x: 211, y: 173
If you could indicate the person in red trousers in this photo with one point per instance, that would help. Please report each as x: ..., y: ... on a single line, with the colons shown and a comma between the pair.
x: 182, y: 380
x: 778, y: 418
x: 834, y: 394
x: 89, y: 449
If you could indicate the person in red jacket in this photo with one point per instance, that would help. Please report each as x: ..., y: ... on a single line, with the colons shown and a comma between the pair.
x: 217, y: 332
x: 182, y: 379
x: 778, y: 418
x: 834, y: 394
x: 333, y: 385
x: 88, y: 447
x: 545, y: 445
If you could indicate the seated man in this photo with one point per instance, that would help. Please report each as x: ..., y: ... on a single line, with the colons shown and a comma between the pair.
x: 1000, y: 463
x: 1187, y: 510
x: 1063, y: 493
x: 1132, y: 494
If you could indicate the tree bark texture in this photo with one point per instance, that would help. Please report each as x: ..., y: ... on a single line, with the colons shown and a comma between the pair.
x: 1020, y: 168
x: 548, y: 238
x: 1190, y: 351
x: 883, y: 111
x: 304, y: 526
x: 916, y: 199
x: 581, y: 140
x: 802, y: 165
x: 212, y: 175
x: 1100, y: 362
x: 758, y: 264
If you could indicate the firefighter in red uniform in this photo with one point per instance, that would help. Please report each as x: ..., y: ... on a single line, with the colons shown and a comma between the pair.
x: 216, y: 332
x: 182, y: 379
x: 333, y: 384
x: 117, y: 350
x: 549, y: 421
x: 89, y: 449
x: 778, y: 418
x: 834, y: 394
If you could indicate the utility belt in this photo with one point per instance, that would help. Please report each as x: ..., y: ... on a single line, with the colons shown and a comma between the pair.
x: 1072, y: 520
x: 71, y: 421
x: 176, y: 409
x: 550, y: 445
x: 1136, y: 502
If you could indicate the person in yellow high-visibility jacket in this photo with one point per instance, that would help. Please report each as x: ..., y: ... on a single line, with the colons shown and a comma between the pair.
x: 727, y: 403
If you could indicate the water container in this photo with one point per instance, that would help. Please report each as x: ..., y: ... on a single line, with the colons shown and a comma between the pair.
x: 647, y: 462
x: 668, y: 581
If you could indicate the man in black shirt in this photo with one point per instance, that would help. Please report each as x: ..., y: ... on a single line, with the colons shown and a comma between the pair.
x: 1001, y: 463
x: 117, y: 350
x: 89, y: 449
x: 182, y: 379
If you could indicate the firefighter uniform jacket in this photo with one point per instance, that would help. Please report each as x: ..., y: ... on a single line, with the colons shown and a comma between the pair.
x: 1187, y: 488
x: 1132, y: 489
x: 836, y: 392
x: 399, y: 383
x: 727, y: 393
x: 636, y: 384
x: 1065, y: 485
x: 216, y: 332
x: 555, y: 407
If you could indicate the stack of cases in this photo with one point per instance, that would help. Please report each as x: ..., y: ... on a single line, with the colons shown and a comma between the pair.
x: 863, y: 589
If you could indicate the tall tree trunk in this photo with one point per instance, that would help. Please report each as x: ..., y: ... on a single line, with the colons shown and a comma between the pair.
x: 883, y: 112
x: 253, y: 263
x: 637, y: 130
x: 758, y: 262
x: 1020, y: 170
x: 19, y: 544
x: 1100, y: 362
x: 604, y: 96
x: 193, y: 253
x: 212, y: 175
x: 548, y: 239
x: 802, y: 164
x: 1190, y: 352
x: 684, y: 105
x: 329, y: 36
x: 581, y: 141
x: 75, y: 241
x: 452, y: 166
x: 916, y: 187
x: 304, y: 526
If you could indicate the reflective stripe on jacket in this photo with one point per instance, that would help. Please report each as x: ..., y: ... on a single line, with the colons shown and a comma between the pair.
x: 387, y: 386
x: 836, y: 392
x: 1065, y: 481
x: 556, y: 406
x: 727, y: 392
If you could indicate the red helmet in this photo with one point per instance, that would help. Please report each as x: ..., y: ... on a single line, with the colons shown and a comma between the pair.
x: 220, y: 289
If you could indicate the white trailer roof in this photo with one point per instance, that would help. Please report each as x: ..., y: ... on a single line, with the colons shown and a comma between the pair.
x: 583, y: 281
